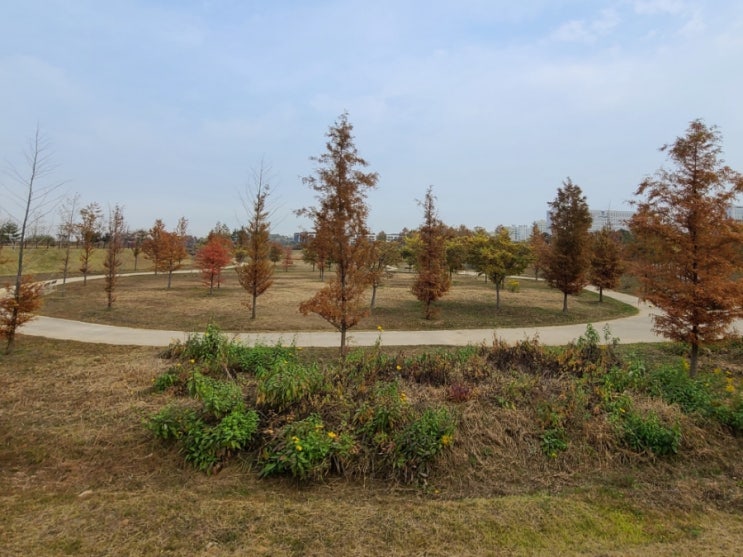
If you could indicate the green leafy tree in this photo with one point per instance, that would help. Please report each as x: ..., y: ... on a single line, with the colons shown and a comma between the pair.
x: 456, y: 253
x: 497, y: 256
x: 606, y: 260
x: 340, y: 228
x: 688, y: 249
x: 567, y: 259
x: 433, y: 280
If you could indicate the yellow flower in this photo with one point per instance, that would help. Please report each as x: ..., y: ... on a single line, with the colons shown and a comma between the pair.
x: 730, y: 388
x: 192, y: 361
x: 319, y: 426
x: 332, y: 435
x: 295, y: 439
x: 446, y: 440
x: 379, y: 328
x: 299, y: 447
x: 403, y: 397
x: 399, y: 367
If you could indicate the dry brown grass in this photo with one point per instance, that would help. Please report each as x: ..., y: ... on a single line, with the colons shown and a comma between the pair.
x: 145, y: 302
x: 80, y: 475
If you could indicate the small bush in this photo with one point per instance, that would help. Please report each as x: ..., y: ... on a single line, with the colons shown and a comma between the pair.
x: 170, y: 422
x: 305, y: 450
x: 512, y: 285
x: 421, y: 441
x: 386, y: 410
x: 650, y: 434
x: 553, y: 441
x: 218, y: 397
x: 165, y: 380
x: 258, y: 359
x: 288, y: 383
x: 674, y: 385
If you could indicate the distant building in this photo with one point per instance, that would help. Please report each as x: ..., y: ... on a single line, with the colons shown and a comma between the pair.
x: 615, y: 220
x: 522, y: 232
x: 736, y: 213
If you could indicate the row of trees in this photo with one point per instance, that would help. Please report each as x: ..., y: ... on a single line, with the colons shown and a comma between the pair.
x: 686, y: 250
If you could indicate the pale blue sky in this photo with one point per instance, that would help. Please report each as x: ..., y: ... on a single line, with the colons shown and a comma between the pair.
x: 166, y: 106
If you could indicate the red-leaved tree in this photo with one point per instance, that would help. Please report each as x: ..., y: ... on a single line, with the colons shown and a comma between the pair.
x: 212, y: 258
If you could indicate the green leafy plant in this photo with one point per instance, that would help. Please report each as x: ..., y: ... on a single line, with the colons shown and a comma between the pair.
x: 287, y: 383
x: 422, y: 440
x: 218, y: 397
x: 649, y: 434
x: 305, y: 449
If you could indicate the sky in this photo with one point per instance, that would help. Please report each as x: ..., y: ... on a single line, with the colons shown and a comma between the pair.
x: 167, y: 107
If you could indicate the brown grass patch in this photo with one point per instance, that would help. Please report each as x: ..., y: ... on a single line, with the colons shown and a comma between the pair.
x: 145, y: 302
x: 80, y: 475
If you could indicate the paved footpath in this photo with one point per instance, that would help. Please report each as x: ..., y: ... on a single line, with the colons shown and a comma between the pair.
x: 637, y: 328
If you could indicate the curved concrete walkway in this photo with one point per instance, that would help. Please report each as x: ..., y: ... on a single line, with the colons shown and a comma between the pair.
x: 637, y: 328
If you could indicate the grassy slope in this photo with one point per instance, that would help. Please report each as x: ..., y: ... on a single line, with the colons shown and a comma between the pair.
x: 80, y: 475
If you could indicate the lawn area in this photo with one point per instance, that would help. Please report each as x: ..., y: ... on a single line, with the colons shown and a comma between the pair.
x: 80, y: 475
x: 145, y: 302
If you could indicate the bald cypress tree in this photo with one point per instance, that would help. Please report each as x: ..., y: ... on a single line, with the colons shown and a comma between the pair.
x: 340, y: 229
x: 568, y: 255
x: 688, y: 249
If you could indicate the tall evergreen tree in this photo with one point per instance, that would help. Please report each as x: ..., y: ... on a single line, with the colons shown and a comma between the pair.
x: 567, y: 258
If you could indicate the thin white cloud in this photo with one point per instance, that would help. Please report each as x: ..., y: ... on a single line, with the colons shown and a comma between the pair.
x: 587, y: 30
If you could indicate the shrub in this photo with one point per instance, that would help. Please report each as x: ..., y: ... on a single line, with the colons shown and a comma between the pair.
x: 165, y: 380
x: 650, y: 434
x: 512, y: 285
x: 422, y: 440
x: 258, y: 359
x: 218, y: 397
x: 553, y: 440
x: 386, y: 410
x: 287, y: 383
x: 170, y: 422
x: 305, y: 450
x: 674, y: 385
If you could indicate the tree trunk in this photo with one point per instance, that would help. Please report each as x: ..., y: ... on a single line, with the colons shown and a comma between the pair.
x: 211, y: 284
x: 564, y: 302
x: 497, y: 295
x: 601, y: 294
x: 252, y: 306
x: 170, y: 277
x: 343, y: 343
x: 374, y: 296
x: 693, y: 360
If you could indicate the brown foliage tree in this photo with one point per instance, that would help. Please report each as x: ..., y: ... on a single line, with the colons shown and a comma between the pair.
x: 256, y: 274
x: 433, y: 279
x: 18, y: 307
x: 212, y: 258
x: 288, y: 260
x: 340, y: 227
x: 567, y: 259
x: 538, y: 246
x: 152, y: 245
x: 688, y: 248
x: 606, y: 260
x: 88, y: 232
x: 174, y: 248
x: 112, y: 261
